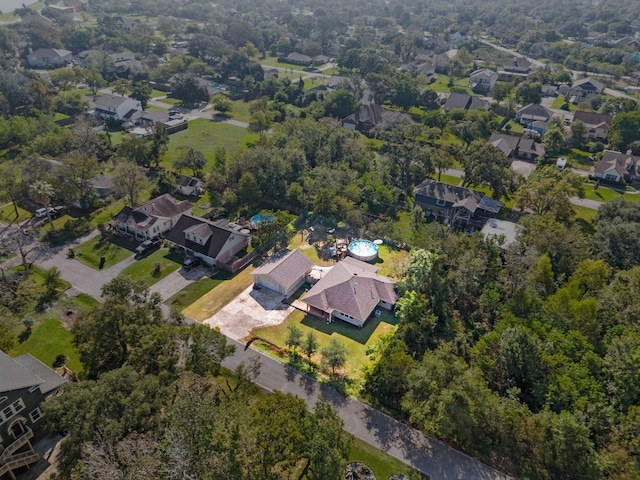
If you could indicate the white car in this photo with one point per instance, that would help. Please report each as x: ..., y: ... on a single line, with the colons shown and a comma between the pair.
x: 41, y: 212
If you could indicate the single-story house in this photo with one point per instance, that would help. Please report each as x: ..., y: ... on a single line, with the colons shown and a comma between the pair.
x: 284, y: 272
x: 212, y: 242
x: 296, y: 58
x: 149, y: 119
x: 585, y: 88
x: 483, y: 80
x: 462, y: 100
x: 597, y: 124
x: 336, y: 81
x: 617, y: 166
x: 189, y: 185
x: 151, y: 220
x: 116, y: 107
x: 49, y: 58
x: 454, y: 205
x: 372, y: 115
x: 517, y: 147
x: 25, y: 383
x: 519, y: 65
x: 351, y: 291
x: 532, y: 113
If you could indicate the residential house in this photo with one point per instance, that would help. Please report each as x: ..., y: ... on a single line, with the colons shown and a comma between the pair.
x: 296, y: 58
x: 149, y: 119
x: 49, y: 58
x: 462, y: 100
x: 116, y: 107
x: 37, y: 20
x: 453, y: 205
x: 214, y: 243
x: 456, y: 39
x: 518, y: 65
x: 597, y: 124
x: 539, y: 49
x: 284, y: 272
x: 373, y: 115
x: 483, y: 80
x: 77, y: 4
x: 127, y: 24
x: 189, y: 185
x: 617, y: 166
x: 351, y: 291
x: 125, y: 62
x: 336, y: 81
x: 25, y: 383
x: 517, y: 147
x: 533, y: 113
x: 585, y: 88
x: 151, y: 220
x: 102, y: 185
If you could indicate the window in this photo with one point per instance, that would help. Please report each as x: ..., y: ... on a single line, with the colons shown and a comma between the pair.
x: 440, y: 201
x: 11, y: 410
x: 35, y: 415
x: 34, y: 388
x: 3, y: 399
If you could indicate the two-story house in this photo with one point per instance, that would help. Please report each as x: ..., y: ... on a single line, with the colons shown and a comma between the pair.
x: 116, y: 107
x: 151, y: 220
x: 214, y: 243
x: 584, y: 89
x: 25, y: 382
x: 617, y: 166
x: 483, y: 80
x: 597, y: 124
x: 49, y: 58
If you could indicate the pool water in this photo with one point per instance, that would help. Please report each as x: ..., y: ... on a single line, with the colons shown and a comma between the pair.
x: 363, y: 250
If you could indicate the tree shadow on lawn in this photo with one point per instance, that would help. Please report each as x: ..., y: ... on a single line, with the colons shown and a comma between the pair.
x: 123, y: 242
x: 360, y: 335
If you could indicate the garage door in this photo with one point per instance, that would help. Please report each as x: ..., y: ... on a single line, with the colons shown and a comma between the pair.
x: 267, y: 283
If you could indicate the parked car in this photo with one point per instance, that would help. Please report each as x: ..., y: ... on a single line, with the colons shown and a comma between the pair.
x: 190, y: 262
x: 176, y: 116
x: 58, y: 211
x: 42, y: 212
x: 148, y: 246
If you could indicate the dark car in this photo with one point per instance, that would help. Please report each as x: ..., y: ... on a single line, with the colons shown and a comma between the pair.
x: 58, y: 211
x: 148, y: 246
x: 190, y: 262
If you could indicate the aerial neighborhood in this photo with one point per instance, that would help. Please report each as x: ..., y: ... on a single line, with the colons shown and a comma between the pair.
x: 338, y: 241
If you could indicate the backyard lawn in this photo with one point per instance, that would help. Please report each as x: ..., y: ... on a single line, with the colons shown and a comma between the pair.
x: 8, y: 213
x: 206, y: 135
x: 154, y: 267
x: 273, y: 62
x: 356, y: 340
x: 195, y: 290
x: 604, y: 194
x: 382, y: 464
x: 240, y: 110
x: 112, y: 248
x: 219, y: 296
x: 448, y: 179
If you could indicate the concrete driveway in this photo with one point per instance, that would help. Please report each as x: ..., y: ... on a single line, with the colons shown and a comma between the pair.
x: 177, y: 280
x: 251, y: 309
x: 523, y: 168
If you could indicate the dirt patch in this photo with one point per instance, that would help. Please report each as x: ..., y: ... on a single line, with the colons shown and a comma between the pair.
x: 68, y: 317
x: 304, y: 246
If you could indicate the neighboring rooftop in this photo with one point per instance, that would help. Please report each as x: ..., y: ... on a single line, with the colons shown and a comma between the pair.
x: 15, y: 376
x: 50, y: 379
x: 285, y: 267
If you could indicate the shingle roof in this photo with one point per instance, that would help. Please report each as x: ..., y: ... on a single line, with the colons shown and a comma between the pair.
x: 147, y: 214
x: 507, y: 144
x: 50, y: 379
x: 578, y: 83
x: 451, y: 194
x: 618, y: 161
x: 285, y: 267
x: 14, y: 376
x: 352, y: 287
x: 589, y: 118
x: 219, y: 233
x: 187, y: 181
x: 109, y: 101
x: 535, y: 110
x: 50, y: 52
x: 462, y: 100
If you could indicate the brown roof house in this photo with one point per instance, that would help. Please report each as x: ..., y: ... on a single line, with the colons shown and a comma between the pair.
x: 214, y: 243
x: 617, y: 166
x: 597, y: 124
x: 517, y: 147
x: 152, y: 219
x: 373, y: 115
x: 351, y: 291
x: 25, y: 383
x: 284, y: 272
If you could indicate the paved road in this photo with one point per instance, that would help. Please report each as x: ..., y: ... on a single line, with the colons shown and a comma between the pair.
x: 406, y: 444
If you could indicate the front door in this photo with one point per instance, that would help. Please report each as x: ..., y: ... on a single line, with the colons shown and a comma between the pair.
x: 17, y: 428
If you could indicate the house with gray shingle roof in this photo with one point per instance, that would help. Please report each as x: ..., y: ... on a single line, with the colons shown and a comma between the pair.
x: 533, y: 113
x: 351, y: 291
x: 49, y: 58
x: 462, y: 100
x: 116, y: 107
x: 617, y: 166
x: 284, y: 272
x: 214, y: 243
x: 152, y: 219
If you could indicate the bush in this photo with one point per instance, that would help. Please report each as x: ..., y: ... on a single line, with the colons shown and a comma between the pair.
x: 60, y: 360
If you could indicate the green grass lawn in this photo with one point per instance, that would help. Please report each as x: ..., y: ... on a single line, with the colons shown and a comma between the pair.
x: 578, y: 158
x: 157, y: 93
x: 196, y: 290
x: 240, y: 110
x: 153, y: 108
x: 442, y: 84
x: 218, y: 297
x: 111, y: 248
x: 515, y: 127
x: 448, y: 179
x: 356, y: 340
x: 559, y: 101
x: 382, y: 464
x: 604, y: 194
x: 144, y: 269
x: 206, y: 135
x: 273, y: 62
x: 314, y: 82
x: 584, y: 213
x: 172, y: 101
x: 49, y: 338
x: 8, y: 214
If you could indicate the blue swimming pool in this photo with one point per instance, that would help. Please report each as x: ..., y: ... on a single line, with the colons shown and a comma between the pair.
x: 363, y: 250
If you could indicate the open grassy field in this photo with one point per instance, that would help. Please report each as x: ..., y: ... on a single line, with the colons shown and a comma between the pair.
x: 584, y: 213
x: 206, y: 135
x: 145, y: 268
x: 240, y: 110
x: 220, y: 295
x: 442, y: 84
x: 112, y: 248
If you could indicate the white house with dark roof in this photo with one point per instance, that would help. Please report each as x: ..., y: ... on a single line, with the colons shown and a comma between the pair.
x: 212, y: 242
x: 284, y: 272
x: 597, y: 124
x: 351, y: 291
x: 483, y: 80
x: 116, y: 107
x: 151, y: 220
x: 517, y: 147
x: 533, y: 113
x: 49, y: 58
x: 617, y: 166
x: 585, y: 88
x: 189, y: 185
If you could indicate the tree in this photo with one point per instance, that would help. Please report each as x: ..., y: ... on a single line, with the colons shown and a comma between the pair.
x: 553, y: 139
x: 625, y: 129
x: 340, y: 103
x: 442, y: 161
x: 42, y: 192
x: 11, y: 187
x: 529, y: 92
x: 94, y: 80
x: 386, y: 381
x: 488, y: 165
x: 192, y: 159
x: 189, y: 90
x: 79, y: 169
x: 136, y: 149
x: 309, y: 345
x: 207, y: 348
x: 577, y: 138
x: 159, y: 140
x: 501, y: 91
x: 222, y: 105
x: 260, y: 121
x: 141, y: 91
x: 121, y: 86
x: 64, y: 78
x: 334, y: 355
x: 129, y: 181
x: 549, y: 190
x: 294, y: 338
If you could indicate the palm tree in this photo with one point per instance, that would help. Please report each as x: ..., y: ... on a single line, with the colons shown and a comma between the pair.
x: 42, y: 192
